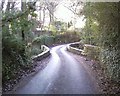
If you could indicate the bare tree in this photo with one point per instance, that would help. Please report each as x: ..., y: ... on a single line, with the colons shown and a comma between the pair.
x: 8, y: 6
x: 45, y: 6
x: 51, y: 6
x: 76, y: 8
x: 2, y: 4
x: 44, y: 9
x: 12, y: 4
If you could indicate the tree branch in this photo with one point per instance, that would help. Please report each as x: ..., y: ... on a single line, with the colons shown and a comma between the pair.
x: 71, y: 10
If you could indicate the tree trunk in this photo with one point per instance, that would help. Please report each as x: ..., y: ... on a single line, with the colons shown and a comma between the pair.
x: 7, y: 23
x: 23, y: 6
x: 43, y: 17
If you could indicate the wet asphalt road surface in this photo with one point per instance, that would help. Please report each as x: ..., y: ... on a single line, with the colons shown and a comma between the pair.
x: 63, y: 75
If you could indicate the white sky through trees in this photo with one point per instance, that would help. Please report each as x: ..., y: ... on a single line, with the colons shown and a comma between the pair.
x: 61, y: 13
x: 64, y: 14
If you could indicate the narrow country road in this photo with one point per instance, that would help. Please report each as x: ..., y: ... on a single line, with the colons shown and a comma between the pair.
x: 63, y: 75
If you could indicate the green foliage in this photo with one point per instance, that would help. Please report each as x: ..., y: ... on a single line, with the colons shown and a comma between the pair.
x: 44, y: 40
x: 13, y: 57
x: 111, y: 60
x: 14, y: 52
x: 56, y: 39
x: 102, y: 29
x: 58, y: 26
x: 53, y: 29
x: 35, y: 51
x: 90, y: 35
x: 63, y: 37
x: 49, y: 40
x: 13, y: 42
